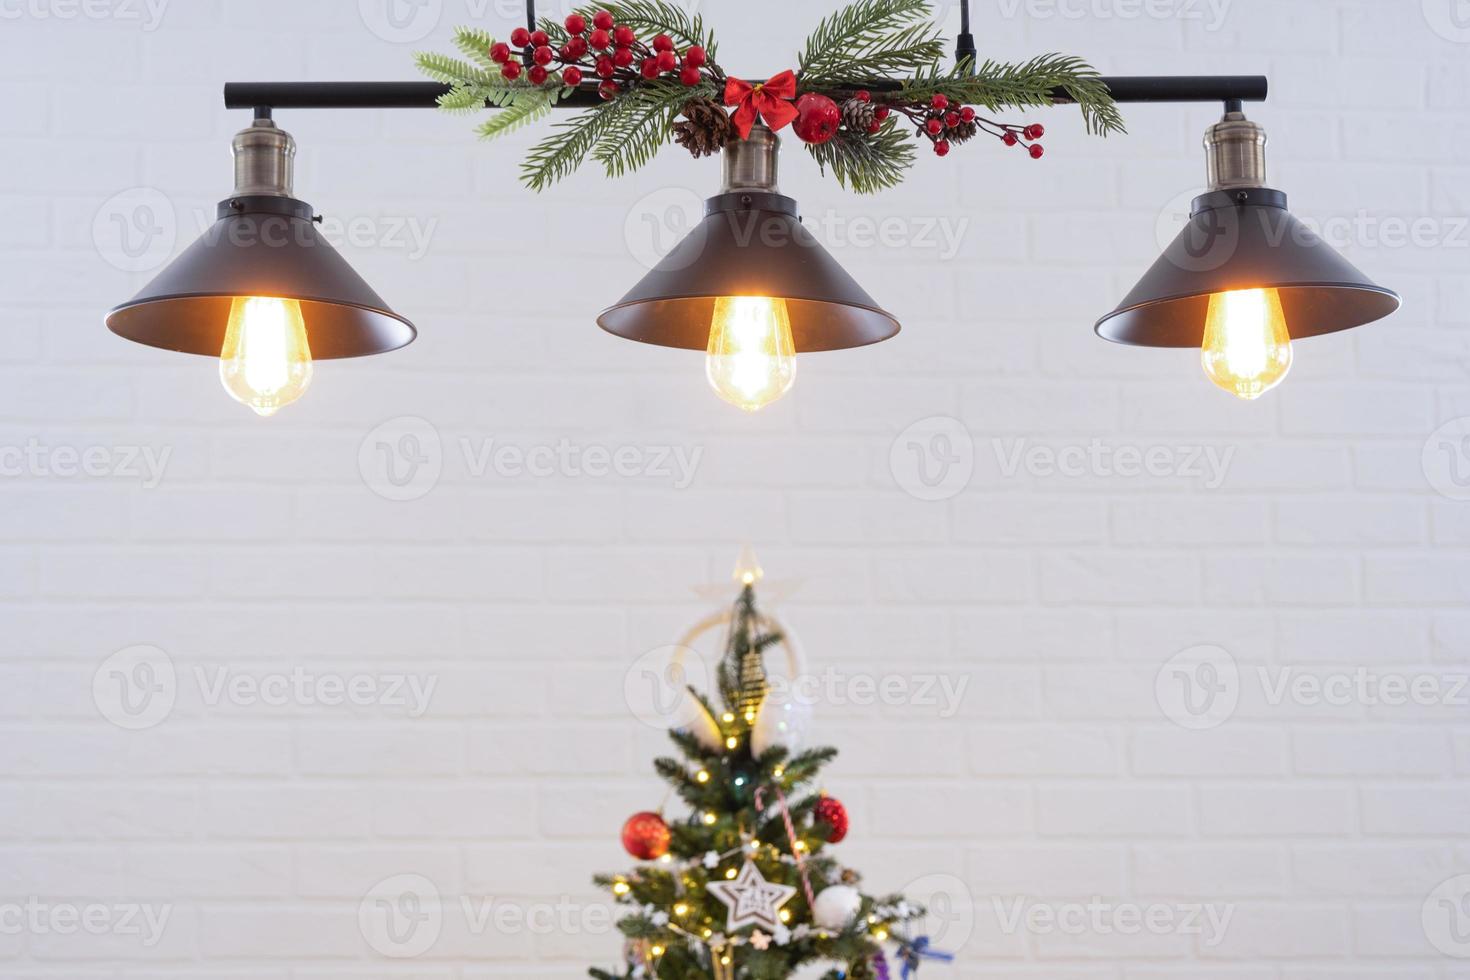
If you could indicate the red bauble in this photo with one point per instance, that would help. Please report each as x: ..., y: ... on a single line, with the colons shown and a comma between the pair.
x: 830, y: 811
x: 694, y: 57
x: 575, y: 23
x: 817, y: 118
x: 646, y: 836
x: 571, y: 76
x: 520, y: 37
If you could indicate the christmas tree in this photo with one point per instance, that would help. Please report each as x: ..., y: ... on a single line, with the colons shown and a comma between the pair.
x: 745, y: 885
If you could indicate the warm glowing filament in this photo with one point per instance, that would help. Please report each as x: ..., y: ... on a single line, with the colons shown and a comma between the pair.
x: 752, y: 358
x: 1247, y: 349
x: 265, y: 362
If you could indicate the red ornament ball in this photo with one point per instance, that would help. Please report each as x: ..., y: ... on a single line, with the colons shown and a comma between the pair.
x: 1035, y: 149
x: 817, y: 118
x: 500, y: 52
x: 603, y: 20
x: 646, y: 836
x: 600, y: 39
x: 830, y: 811
x: 695, y: 57
x: 511, y: 70
x: 575, y: 23
x: 571, y: 76
x: 520, y: 37
x: 941, y: 148
x: 689, y: 75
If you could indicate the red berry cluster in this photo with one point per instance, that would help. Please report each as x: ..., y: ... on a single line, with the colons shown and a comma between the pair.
x: 880, y: 113
x: 938, y: 119
x: 605, y: 48
x: 1025, y: 136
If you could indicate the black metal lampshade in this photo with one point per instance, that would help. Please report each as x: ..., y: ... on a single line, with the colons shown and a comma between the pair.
x: 749, y: 244
x: 1245, y: 239
x: 261, y: 246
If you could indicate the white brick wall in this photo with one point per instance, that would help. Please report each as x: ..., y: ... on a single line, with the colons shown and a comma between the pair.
x: 1321, y: 814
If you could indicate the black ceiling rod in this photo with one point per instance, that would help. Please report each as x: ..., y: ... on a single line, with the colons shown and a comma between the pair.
x: 964, y: 45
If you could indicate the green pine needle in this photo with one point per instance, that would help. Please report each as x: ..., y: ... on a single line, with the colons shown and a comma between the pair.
x: 866, y: 162
x: 871, y: 38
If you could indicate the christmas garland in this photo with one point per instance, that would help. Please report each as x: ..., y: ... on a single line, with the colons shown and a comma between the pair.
x: 655, y: 68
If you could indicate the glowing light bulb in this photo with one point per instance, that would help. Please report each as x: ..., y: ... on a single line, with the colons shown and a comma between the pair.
x: 751, y: 360
x: 265, y: 361
x: 1247, y: 350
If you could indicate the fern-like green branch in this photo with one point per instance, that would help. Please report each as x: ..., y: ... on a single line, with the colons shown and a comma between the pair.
x: 997, y: 86
x: 871, y: 38
x: 866, y: 162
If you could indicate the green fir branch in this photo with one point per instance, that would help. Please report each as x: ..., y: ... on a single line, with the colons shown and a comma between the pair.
x: 452, y: 71
x: 523, y: 107
x: 644, y: 126
x: 1029, y: 84
x: 475, y: 44
x: 866, y: 162
x: 648, y: 17
x: 870, y: 38
x: 560, y: 154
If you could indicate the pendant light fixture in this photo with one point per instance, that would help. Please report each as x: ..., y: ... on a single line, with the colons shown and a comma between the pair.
x: 1244, y: 278
x: 262, y: 289
x: 750, y: 286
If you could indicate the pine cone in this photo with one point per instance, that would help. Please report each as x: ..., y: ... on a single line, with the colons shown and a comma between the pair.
x: 705, y: 128
x: 858, y: 115
x: 850, y: 877
x: 964, y: 131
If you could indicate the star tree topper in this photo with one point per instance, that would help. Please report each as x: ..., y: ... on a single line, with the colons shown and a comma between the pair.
x: 752, y: 899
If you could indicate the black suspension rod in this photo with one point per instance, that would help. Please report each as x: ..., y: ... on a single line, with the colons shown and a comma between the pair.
x: 423, y: 95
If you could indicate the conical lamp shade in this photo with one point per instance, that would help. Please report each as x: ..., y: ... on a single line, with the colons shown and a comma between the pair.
x: 760, y: 250
x: 273, y: 249
x: 1245, y: 240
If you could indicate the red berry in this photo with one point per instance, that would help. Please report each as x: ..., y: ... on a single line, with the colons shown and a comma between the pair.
x: 863, y: 95
x: 881, y: 113
x: 520, y: 37
x: 933, y: 127
x: 951, y: 119
x: 577, y: 47
x: 689, y: 75
x: 1035, y: 149
x: 571, y: 76
x: 609, y: 90
x: 599, y: 39
x: 543, y: 55
x: 539, y: 39
x: 623, y: 57
x: 511, y: 70
x: 1035, y: 131
x: 663, y: 42
x: 605, y: 68
x: 624, y: 35
x: 537, y: 75
x: 939, y: 101
x: 500, y: 52
x: 649, y: 68
x: 941, y: 148
x: 967, y: 114
x: 602, y: 20
x: 575, y: 23
x: 667, y: 61
x: 694, y: 57
x: 1009, y: 139
x: 874, y: 126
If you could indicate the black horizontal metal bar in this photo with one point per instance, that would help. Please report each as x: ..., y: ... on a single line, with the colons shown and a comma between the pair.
x: 423, y: 95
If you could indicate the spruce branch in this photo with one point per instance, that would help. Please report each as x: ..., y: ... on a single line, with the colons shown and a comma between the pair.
x: 868, y: 38
x: 558, y: 155
x: 644, y: 126
x: 1028, y: 84
x: 521, y: 107
x: 866, y: 162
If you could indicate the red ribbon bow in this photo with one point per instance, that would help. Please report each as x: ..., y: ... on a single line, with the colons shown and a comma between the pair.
x: 768, y: 99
